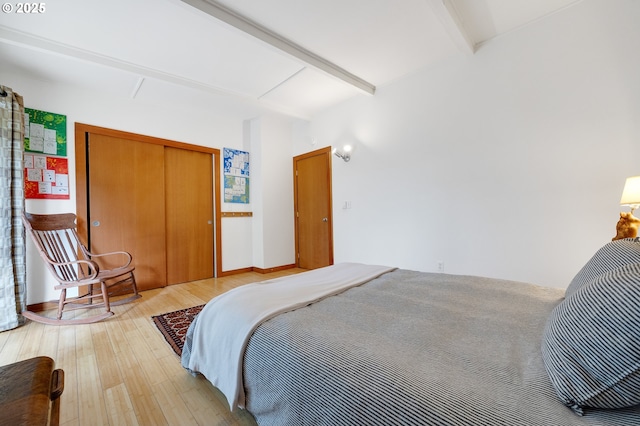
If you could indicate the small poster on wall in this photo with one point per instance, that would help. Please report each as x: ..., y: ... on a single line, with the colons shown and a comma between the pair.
x: 236, y: 176
x: 45, y: 132
x: 46, y: 172
x: 46, y: 177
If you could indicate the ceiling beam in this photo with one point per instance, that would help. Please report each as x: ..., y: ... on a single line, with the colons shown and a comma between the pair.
x: 223, y: 13
x: 450, y: 19
x: 30, y: 41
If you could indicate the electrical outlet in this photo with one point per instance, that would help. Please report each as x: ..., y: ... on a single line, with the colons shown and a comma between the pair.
x: 440, y: 265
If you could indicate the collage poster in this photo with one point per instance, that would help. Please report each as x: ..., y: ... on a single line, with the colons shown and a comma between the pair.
x: 45, y: 132
x: 46, y: 171
x: 236, y: 176
x: 46, y: 177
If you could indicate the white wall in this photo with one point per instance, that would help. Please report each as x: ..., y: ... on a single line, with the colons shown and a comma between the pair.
x: 272, y: 193
x: 509, y: 163
x: 165, y: 120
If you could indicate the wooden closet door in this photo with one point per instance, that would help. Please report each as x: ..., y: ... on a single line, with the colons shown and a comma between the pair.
x: 189, y: 215
x: 126, y: 204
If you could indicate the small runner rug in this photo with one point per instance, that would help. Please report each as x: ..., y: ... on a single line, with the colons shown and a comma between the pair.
x: 174, y: 326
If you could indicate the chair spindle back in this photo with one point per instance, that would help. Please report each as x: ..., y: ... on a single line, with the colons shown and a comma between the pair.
x: 57, y: 242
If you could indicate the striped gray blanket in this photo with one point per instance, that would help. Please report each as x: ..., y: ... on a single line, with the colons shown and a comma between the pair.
x: 412, y: 348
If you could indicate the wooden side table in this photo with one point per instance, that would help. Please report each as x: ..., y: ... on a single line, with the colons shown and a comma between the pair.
x: 30, y: 392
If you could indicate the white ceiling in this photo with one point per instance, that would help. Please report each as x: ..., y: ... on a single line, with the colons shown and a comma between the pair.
x: 170, y: 51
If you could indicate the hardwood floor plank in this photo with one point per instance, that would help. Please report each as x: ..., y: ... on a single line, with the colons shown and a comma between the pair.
x: 151, y: 367
x: 175, y: 372
x: 92, y: 410
x: 31, y: 345
x: 73, y: 422
x: 105, y: 356
x: 205, y: 405
x: 12, y: 347
x: 148, y: 410
x: 121, y: 371
x: 49, y: 344
x: 173, y: 406
x: 119, y: 406
x: 116, y: 332
x: 145, y: 405
x: 67, y: 361
x: 84, y: 342
x: 4, y: 337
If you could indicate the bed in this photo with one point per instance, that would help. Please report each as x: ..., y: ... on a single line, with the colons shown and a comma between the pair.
x: 376, y: 345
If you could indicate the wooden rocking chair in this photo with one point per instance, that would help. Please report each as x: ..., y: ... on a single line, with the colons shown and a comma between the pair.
x: 73, y: 266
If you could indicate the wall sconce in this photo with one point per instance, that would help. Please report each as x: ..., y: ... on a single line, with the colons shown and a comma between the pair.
x: 344, y: 154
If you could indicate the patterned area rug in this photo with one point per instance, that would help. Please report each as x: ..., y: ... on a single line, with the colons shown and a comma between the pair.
x: 174, y: 325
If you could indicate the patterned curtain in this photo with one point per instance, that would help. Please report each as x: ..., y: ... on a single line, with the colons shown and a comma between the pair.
x: 13, y: 278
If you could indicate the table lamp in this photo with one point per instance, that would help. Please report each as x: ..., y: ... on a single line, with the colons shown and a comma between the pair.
x: 627, y: 226
x: 631, y: 193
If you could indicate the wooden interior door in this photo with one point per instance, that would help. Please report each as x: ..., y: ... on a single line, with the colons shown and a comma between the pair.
x: 314, y: 220
x: 189, y: 215
x: 126, y: 203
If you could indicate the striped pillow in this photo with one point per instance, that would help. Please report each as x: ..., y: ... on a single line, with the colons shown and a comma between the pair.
x: 591, y: 342
x: 611, y: 256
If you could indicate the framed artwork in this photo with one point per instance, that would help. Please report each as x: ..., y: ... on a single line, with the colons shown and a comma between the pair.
x: 236, y: 176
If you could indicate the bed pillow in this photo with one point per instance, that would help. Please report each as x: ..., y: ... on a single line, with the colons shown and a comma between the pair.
x: 591, y: 342
x: 611, y: 256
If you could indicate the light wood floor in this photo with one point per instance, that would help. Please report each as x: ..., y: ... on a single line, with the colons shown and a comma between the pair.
x: 121, y: 371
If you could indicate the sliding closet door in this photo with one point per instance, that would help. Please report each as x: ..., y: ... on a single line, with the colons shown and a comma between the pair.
x: 189, y: 215
x: 126, y: 200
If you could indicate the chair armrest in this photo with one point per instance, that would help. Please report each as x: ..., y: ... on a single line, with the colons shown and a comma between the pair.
x: 57, y: 384
x: 57, y: 387
x: 125, y: 253
x: 93, y: 269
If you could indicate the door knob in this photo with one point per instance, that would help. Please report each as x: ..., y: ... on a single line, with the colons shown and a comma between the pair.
x: 324, y: 219
x: 95, y: 223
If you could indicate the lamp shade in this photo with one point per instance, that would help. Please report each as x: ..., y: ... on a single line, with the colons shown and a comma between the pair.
x: 631, y: 192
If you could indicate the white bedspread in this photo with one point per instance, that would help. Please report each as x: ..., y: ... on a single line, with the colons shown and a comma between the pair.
x: 221, y: 331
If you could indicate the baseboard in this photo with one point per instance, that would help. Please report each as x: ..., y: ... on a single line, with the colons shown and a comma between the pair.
x: 45, y: 306
x: 274, y: 269
x: 258, y: 270
x: 235, y: 272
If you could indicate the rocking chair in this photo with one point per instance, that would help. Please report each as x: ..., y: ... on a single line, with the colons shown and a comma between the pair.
x: 73, y: 266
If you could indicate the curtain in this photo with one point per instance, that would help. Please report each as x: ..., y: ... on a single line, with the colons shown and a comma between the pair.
x: 13, y: 271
